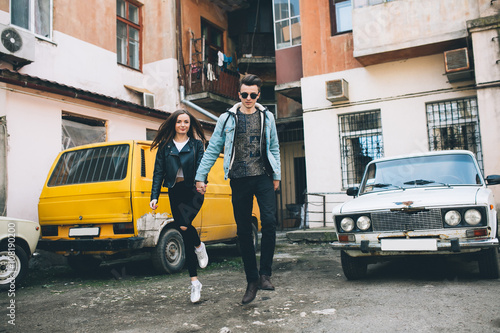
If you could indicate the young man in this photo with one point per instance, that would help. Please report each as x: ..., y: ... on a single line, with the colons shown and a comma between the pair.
x: 248, y: 134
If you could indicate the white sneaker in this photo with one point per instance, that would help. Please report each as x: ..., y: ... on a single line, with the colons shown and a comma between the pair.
x: 195, y: 291
x: 202, y: 255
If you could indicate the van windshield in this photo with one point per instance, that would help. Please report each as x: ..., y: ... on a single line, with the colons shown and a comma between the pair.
x: 91, y: 165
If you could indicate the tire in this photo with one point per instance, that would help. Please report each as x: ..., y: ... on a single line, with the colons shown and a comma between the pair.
x: 84, y: 263
x: 354, y: 268
x: 13, y: 266
x: 169, y: 254
x: 255, y: 238
x: 488, y: 263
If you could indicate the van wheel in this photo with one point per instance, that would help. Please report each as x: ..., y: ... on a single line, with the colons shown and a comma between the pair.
x: 488, y: 263
x: 255, y: 238
x: 83, y: 263
x: 354, y: 268
x: 13, y: 266
x: 169, y: 255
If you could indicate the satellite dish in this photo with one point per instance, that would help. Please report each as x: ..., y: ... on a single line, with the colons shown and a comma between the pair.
x: 12, y: 40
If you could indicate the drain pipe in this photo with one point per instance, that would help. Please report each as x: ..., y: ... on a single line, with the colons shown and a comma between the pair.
x: 194, y: 106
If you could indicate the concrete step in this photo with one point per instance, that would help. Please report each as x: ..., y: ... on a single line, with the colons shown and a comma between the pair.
x: 325, y: 234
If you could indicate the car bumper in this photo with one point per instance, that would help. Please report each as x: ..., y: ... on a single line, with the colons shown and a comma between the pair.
x: 452, y: 245
x: 73, y: 245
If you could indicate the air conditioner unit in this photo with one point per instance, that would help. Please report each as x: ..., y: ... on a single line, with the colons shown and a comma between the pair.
x: 148, y: 100
x: 337, y: 90
x: 456, y: 60
x: 17, y: 46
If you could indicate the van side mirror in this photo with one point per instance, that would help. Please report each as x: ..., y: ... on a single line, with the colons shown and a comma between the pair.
x: 493, y: 180
x: 352, y: 191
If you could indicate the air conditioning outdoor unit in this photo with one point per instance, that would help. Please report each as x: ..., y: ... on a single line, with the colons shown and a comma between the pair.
x: 17, y: 46
x: 456, y: 60
x: 337, y: 90
x: 148, y: 100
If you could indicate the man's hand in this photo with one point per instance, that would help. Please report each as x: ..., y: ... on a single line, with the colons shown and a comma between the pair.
x: 276, y: 184
x: 153, y: 204
x: 201, y: 187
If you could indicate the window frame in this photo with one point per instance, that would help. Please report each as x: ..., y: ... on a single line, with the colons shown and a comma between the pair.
x: 348, y: 168
x: 32, y: 23
x: 289, y: 19
x: 333, y: 17
x: 211, y: 49
x: 130, y: 24
x: 446, y: 119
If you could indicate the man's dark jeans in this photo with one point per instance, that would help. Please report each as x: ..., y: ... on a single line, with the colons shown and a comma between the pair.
x: 243, y: 191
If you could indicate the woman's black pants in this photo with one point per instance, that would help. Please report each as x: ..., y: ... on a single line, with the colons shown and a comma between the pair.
x: 185, y: 203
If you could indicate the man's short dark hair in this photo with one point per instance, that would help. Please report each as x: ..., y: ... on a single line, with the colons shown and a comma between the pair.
x: 251, y: 80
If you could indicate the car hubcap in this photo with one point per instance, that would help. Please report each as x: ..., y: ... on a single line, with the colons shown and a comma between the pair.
x: 10, y: 266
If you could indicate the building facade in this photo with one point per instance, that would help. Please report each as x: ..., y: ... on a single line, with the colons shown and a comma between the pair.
x: 390, y: 77
x: 76, y: 72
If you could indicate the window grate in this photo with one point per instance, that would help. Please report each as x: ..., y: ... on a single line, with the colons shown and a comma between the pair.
x: 454, y: 124
x: 360, y: 142
x: 91, y: 165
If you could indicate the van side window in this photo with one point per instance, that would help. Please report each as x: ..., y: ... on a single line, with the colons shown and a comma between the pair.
x: 91, y: 165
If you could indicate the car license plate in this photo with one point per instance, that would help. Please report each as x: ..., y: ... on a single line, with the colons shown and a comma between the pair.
x: 79, y: 232
x: 409, y: 245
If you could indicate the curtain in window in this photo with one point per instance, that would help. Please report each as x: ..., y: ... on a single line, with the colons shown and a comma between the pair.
x: 42, y: 18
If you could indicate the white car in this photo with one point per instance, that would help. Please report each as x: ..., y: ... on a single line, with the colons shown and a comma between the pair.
x: 18, y: 241
x: 426, y: 204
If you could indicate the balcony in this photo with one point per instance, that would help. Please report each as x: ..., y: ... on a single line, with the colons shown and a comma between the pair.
x: 211, y: 87
x: 395, y: 30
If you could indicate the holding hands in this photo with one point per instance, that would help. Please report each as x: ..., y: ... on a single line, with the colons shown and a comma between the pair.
x: 201, y: 187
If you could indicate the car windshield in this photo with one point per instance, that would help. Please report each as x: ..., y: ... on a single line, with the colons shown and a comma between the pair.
x: 422, y: 171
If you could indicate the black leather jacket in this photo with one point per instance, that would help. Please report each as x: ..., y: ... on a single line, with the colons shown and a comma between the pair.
x: 169, y: 160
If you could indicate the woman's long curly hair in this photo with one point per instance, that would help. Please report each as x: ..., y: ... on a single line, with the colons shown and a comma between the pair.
x: 166, y: 132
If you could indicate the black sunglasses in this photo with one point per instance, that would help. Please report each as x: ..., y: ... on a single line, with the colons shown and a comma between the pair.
x: 252, y: 95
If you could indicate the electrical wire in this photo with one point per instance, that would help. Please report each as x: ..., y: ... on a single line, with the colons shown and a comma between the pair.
x: 254, y: 31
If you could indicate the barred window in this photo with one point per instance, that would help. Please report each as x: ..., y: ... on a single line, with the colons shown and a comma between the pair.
x: 91, y: 165
x: 454, y: 124
x: 360, y: 142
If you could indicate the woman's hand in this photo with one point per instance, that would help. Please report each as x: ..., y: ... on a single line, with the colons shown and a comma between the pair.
x: 201, y: 187
x: 153, y: 204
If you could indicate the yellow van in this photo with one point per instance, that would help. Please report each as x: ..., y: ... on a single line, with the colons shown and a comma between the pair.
x: 95, y: 205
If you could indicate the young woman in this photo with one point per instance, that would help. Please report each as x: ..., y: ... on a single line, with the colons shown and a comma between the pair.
x: 180, y: 142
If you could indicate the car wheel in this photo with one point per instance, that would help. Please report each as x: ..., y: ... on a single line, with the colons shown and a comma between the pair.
x: 354, y: 267
x: 255, y: 239
x: 83, y: 263
x: 13, y: 266
x: 488, y: 263
x: 169, y: 254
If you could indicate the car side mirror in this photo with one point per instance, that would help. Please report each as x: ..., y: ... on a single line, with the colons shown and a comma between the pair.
x: 493, y: 180
x: 352, y: 191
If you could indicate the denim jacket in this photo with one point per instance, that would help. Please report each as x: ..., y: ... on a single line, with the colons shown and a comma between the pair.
x: 223, y: 139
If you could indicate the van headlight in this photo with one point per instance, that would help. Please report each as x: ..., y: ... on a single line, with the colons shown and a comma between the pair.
x: 347, y: 224
x: 452, y: 218
x: 472, y: 217
x: 364, y: 223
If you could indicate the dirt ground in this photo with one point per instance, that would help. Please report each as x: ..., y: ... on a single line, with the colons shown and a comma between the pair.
x: 312, y: 295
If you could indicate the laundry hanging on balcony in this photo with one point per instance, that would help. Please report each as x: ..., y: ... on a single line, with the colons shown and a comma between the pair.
x: 210, y: 73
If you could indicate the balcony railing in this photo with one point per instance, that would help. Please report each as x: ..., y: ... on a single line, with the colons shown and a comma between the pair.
x: 208, y: 77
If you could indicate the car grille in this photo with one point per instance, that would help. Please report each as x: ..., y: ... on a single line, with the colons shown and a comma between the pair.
x: 399, y: 221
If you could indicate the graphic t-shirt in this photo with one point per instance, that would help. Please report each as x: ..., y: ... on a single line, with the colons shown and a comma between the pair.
x: 247, y: 158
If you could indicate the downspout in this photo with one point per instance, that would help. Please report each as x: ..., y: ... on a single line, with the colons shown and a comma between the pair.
x: 194, y: 106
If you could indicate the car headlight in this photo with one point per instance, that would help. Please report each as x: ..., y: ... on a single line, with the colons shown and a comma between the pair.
x: 452, y: 218
x: 472, y: 216
x: 363, y: 223
x: 347, y: 224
